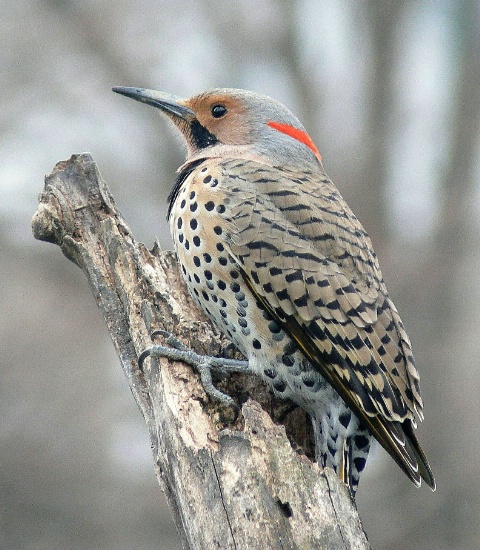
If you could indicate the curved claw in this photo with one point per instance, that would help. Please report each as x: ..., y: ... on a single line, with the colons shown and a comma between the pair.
x: 143, y: 356
x: 170, y: 339
x: 160, y: 332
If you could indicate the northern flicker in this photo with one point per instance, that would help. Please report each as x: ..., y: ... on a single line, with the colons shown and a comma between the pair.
x: 272, y: 253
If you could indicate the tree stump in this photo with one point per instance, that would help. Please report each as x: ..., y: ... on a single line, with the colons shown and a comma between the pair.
x: 232, y: 483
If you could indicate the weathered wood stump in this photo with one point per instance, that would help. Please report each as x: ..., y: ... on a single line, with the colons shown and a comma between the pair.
x: 231, y: 482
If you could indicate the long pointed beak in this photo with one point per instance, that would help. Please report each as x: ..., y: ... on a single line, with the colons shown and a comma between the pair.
x: 166, y: 102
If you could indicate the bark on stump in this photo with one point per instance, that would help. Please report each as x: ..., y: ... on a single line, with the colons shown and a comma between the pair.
x: 231, y: 483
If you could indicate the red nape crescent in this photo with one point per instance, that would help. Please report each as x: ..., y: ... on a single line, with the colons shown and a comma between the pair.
x: 297, y: 134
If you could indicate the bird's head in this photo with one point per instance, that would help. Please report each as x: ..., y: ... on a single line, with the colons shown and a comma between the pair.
x: 236, y: 123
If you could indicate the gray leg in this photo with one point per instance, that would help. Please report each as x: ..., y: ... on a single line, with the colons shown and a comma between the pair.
x: 203, y: 363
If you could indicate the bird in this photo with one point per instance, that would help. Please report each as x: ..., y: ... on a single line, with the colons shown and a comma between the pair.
x: 272, y: 253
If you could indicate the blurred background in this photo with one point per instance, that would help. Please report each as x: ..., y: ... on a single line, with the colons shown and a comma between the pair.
x: 389, y: 91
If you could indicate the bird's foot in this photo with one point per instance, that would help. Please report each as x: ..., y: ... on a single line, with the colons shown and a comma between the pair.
x: 177, y: 351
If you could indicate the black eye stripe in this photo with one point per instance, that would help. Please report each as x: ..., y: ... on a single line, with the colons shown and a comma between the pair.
x: 218, y: 111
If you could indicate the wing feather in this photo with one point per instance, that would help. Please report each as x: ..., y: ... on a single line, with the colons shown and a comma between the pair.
x: 312, y: 266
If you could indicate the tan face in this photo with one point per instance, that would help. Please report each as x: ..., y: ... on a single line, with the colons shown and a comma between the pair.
x: 225, y: 117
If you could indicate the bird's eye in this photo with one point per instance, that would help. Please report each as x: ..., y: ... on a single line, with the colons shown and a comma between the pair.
x: 218, y: 111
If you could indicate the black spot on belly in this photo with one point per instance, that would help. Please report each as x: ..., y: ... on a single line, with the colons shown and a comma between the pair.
x: 274, y: 327
x: 241, y: 312
x: 359, y: 463
x: 309, y: 382
x: 256, y: 344
x: 361, y: 441
x: 345, y: 418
